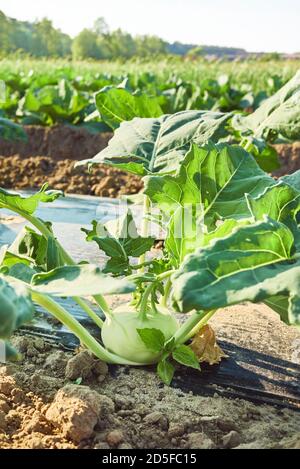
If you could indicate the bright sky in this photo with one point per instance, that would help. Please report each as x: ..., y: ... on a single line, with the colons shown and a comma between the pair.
x: 255, y: 25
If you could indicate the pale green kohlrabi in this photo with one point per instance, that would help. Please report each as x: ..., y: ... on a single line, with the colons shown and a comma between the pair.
x: 120, y: 332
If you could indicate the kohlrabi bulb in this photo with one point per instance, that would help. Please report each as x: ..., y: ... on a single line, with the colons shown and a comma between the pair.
x: 120, y: 336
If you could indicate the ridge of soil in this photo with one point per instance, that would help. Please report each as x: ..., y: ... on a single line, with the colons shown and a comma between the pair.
x: 289, y: 155
x: 31, y: 173
x: 50, y: 153
x: 59, y: 142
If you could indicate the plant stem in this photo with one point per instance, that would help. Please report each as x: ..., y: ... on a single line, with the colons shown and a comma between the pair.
x: 144, y: 302
x: 89, y: 311
x: 200, y: 324
x: 168, y: 286
x: 247, y: 146
x: 145, y: 226
x: 166, y: 274
x: 101, y: 301
x: 192, y: 325
x: 78, y: 330
x: 140, y: 266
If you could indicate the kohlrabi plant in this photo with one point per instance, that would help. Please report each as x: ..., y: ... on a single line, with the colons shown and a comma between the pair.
x: 230, y: 234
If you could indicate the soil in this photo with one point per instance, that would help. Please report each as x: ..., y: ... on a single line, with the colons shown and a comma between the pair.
x: 57, y: 399
x: 289, y: 158
x: 50, y: 153
x: 59, y: 142
x: 31, y: 173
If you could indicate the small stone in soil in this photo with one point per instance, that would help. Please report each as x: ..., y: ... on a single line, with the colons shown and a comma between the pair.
x: 199, y: 440
x: 3, y: 423
x: 115, y: 438
x: 79, y: 366
x: 231, y: 440
x: 157, y: 418
x: 176, y: 429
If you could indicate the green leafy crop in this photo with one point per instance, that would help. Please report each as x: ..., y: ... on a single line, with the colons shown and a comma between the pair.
x: 231, y: 234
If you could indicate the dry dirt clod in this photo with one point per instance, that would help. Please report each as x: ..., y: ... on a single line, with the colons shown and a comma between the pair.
x: 199, y: 440
x: 226, y: 425
x: 56, y: 361
x: 77, y: 409
x: 115, y: 438
x: 176, y: 429
x: 157, y: 418
x: 3, y: 424
x: 79, y: 366
x: 231, y: 440
x: 21, y: 343
x: 6, y: 384
x: 125, y: 446
x: 38, y: 424
x: 4, y: 407
x: 100, y: 369
x: 84, y: 365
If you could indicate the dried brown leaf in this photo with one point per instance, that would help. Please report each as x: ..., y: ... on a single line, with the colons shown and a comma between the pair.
x: 205, y: 347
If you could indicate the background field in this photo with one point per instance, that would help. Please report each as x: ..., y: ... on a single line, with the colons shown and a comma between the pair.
x: 255, y: 72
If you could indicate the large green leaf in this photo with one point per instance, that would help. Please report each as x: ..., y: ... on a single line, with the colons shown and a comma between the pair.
x: 30, y: 246
x: 210, y: 185
x: 253, y: 263
x: 280, y: 202
x: 152, y: 145
x: 27, y: 205
x: 79, y: 280
x: 292, y: 179
x: 34, y: 250
x: 118, y: 104
x: 279, y: 304
x: 264, y: 153
x: 15, y: 306
x: 217, y: 177
x: 279, y: 114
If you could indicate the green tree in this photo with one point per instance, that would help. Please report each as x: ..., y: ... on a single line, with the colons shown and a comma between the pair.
x: 101, y: 28
x: 48, y: 41
x: 150, y: 45
x: 4, y: 33
x: 85, y: 45
x: 121, y: 44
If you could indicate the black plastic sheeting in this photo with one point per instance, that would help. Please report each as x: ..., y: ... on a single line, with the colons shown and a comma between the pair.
x: 245, y: 374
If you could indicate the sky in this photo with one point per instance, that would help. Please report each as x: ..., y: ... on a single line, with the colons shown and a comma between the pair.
x: 255, y: 25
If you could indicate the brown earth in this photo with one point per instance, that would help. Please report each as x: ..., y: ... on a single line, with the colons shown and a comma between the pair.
x: 49, y: 156
x: 17, y: 172
x: 50, y: 153
x: 59, y: 142
x: 289, y: 158
x: 57, y: 399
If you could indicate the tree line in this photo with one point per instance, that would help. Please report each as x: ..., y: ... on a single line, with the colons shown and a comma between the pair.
x: 42, y: 39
